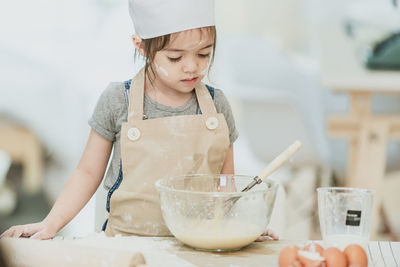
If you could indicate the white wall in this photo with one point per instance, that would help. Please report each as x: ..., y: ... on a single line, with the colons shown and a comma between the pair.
x: 56, y: 59
x: 295, y: 27
x: 282, y: 23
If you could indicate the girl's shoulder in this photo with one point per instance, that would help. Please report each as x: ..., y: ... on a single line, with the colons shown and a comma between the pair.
x: 114, y: 90
x: 109, y: 111
x: 222, y: 106
x: 220, y: 100
x: 114, y: 95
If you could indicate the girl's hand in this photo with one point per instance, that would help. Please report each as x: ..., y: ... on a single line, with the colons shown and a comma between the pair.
x: 267, y: 235
x: 39, y: 230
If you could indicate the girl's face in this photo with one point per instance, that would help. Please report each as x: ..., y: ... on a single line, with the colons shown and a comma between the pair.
x: 184, y: 61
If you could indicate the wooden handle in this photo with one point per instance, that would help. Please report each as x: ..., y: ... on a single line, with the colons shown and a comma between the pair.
x: 49, y: 253
x: 279, y: 160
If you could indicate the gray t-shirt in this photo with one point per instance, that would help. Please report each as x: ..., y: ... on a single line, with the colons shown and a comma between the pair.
x: 112, y: 110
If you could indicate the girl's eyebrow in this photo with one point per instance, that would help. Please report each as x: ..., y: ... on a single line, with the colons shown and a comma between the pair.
x: 181, y: 50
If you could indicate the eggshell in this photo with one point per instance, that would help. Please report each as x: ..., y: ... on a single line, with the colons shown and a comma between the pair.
x: 297, y: 264
x: 310, y: 259
x: 288, y: 256
x: 356, y: 256
x: 334, y: 257
x: 314, y: 247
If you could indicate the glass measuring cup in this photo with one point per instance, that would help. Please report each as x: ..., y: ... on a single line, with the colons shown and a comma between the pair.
x: 345, y: 215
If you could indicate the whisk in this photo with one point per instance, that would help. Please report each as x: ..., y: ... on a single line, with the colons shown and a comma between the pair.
x: 271, y: 167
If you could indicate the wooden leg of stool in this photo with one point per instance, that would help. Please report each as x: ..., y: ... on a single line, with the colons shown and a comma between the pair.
x: 371, y: 163
x: 353, y: 151
x: 33, y: 166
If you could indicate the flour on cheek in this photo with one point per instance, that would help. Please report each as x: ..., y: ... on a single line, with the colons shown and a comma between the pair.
x: 160, y: 69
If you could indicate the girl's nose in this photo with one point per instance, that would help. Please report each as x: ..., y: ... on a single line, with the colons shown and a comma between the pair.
x: 190, y: 65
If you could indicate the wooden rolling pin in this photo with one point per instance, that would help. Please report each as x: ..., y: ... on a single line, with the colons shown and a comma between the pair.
x: 50, y: 253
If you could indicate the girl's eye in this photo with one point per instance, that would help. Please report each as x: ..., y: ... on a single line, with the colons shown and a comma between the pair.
x: 174, y: 59
x: 204, y: 55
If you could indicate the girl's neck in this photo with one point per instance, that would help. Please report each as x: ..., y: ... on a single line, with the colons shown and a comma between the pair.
x: 164, y: 95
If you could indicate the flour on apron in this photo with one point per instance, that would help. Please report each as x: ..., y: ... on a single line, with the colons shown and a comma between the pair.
x: 157, y: 148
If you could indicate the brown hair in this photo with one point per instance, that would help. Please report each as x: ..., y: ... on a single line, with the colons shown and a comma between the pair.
x: 152, y: 45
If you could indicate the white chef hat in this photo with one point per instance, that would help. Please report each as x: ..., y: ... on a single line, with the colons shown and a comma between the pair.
x: 153, y: 18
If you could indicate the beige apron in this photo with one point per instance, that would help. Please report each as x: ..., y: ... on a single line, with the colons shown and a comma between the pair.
x: 162, y: 147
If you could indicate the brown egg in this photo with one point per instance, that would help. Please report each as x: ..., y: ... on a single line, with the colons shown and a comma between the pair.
x: 334, y: 257
x: 288, y: 256
x: 356, y: 256
x: 314, y: 247
x: 310, y: 259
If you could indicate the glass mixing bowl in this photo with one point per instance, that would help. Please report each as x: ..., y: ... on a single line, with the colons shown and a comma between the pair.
x: 207, y: 212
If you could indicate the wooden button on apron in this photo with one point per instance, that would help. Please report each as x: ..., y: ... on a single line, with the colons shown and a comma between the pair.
x: 212, y: 123
x: 133, y: 134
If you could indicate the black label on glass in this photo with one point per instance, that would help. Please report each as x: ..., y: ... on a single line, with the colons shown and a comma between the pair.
x: 353, y: 217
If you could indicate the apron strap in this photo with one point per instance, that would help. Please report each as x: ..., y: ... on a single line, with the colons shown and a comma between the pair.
x: 211, y: 90
x: 127, y: 87
x: 205, y: 100
x: 136, y: 96
x: 127, y: 84
x: 134, y: 93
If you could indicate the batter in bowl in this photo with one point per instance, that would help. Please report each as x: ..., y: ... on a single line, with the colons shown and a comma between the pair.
x: 211, y: 235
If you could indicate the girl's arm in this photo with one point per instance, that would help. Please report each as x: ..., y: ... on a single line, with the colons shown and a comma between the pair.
x: 228, y: 167
x: 76, y: 193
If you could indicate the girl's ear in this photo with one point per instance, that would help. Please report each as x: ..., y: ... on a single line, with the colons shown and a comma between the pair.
x: 137, y: 42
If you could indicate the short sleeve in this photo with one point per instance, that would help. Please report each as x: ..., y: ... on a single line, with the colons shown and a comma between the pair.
x: 103, y: 119
x: 222, y: 105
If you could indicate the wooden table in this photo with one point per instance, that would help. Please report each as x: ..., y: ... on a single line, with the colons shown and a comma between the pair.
x: 367, y: 133
x: 161, y: 252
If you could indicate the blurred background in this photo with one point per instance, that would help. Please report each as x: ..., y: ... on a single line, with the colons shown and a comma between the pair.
x: 323, y: 72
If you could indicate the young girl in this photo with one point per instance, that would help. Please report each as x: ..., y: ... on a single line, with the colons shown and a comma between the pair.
x: 164, y: 122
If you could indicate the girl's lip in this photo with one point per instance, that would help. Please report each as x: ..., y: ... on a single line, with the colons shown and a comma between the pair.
x: 190, y: 81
